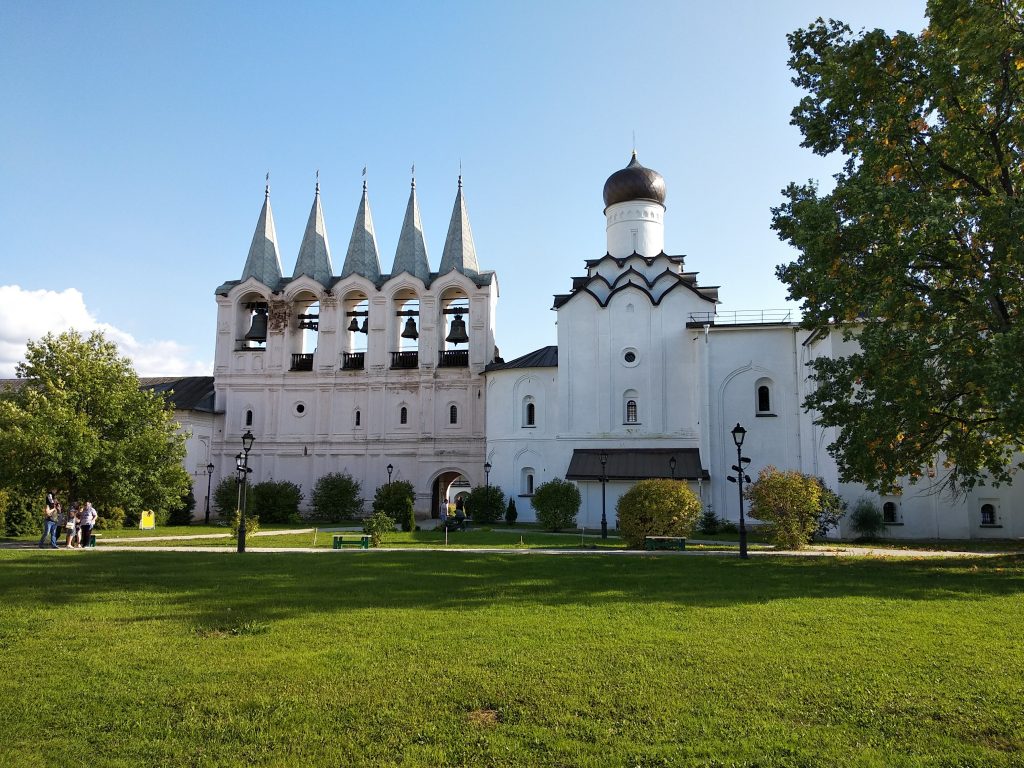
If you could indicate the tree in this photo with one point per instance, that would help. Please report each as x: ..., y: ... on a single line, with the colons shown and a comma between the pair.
x: 80, y: 423
x: 275, y: 501
x: 391, y: 499
x: 656, y: 508
x: 790, y: 502
x: 917, y: 252
x: 556, y: 502
x: 511, y: 514
x: 831, y: 509
x: 336, y: 497
x: 485, y: 504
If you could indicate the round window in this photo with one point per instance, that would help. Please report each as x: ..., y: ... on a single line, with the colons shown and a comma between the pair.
x: 300, y: 409
x: 630, y: 357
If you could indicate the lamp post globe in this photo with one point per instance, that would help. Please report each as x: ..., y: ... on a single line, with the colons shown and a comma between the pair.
x: 390, y: 468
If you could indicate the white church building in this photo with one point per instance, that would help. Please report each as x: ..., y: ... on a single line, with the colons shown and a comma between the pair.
x: 395, y: 375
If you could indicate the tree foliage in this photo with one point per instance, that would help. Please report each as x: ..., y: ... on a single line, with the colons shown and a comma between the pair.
x: 556, y: 502
x: 336, y: 496
x: 80, y: 423
x: 656, y: 508
x: 917, y: 251
x: 275, y: 501
x: 485, y: 504
x: 790, y: 502
x: 391, y: 498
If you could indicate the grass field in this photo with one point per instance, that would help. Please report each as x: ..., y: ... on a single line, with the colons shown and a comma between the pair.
x: 414, y: 659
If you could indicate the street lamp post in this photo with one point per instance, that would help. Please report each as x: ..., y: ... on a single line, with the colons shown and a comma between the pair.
x: 738, y: 433
x: 487, y: 474
x: 604, y: 483
x: 672, y: 466
x: 390, y: 468
x: 242, y: 468
x: 209, y: 478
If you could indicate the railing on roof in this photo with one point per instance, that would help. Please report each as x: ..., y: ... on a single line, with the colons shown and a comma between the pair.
x: 744, y: 317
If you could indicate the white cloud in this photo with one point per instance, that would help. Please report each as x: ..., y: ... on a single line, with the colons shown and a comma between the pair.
x: 27, y: 314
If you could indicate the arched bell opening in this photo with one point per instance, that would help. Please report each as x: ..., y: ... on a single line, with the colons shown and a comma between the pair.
x: 251, y: 322
x: 453, y: 329
x: 305, y: 329
x: 356, y: 333
x: 405, y: 331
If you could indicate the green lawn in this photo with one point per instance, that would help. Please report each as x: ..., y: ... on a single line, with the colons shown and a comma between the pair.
x: 418, y: 659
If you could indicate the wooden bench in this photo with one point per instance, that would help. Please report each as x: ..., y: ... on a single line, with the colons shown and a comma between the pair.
x: 361, y: 540
x: 664, y: 542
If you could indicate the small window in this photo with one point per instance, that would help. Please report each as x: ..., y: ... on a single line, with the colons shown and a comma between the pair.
x: 889, y: 512
x: 531, y: 414
x: 359, y: 418
x: 764, y: 399
x: 300, y: 409
x: 630, y: 356
x: 529, y: 484
x: 453, y: 415
x: 631, y: 417
x: 527, y: 481
x: 988, y: 514
x: 403, y: 415
x: 248, y: 418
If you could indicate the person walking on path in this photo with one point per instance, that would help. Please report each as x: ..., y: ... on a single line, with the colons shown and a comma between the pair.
x: 71, y: 527
x: 88, y: 520
x: 50, y: 521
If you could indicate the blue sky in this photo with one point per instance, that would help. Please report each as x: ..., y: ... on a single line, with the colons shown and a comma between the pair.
x: 136, y: 135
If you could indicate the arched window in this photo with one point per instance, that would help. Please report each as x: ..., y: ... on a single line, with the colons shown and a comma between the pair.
x: 403, y: 415
x: 889, y: 512
x: 631, y: 417
x: 988, y: 514
x: 630, y: 407
x: 764, y: 399
x: 529, y: 412
x: 453, y: 414
x: 359, y: 418
x: 526, y: 483
x: 248, y: 418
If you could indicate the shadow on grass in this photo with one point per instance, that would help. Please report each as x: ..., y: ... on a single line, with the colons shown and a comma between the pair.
x: 201, y: 587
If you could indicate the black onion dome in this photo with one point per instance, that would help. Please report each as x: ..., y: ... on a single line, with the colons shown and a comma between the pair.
x: 634, y: 182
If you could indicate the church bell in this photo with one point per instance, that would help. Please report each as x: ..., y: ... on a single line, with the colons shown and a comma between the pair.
x: 258, y: 329
x: 354, y: 325
x: 410, y: 331
x: 457, y: 334
x: 365, y: 327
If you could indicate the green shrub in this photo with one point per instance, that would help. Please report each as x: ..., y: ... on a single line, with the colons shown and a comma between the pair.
x: 789, y: 502
x: 110, y: 519
x: 390, y: 499
x: 378, y: 525
x: 336, y: 497
x: 182, y: 514
x: 485, y: 504
x: 275, y: 501
x: 867, y: 520
x: 252, y: 524
x: 709, y: 522
x: 656, y: 508
x: 511, y: 515
x: 407, y: 515
x: 225, y: 498
x: 728, y: 526
x: 23, y: 514
x: 557, y: 502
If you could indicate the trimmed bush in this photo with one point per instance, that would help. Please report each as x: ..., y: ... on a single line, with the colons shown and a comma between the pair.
x: 511, y: 515
x: 656, y: 508
x: 225, y: 498
x: 390, y: 499
x: 557, y: 502
x: 378, y: 525
x: 789, y: 502
x: 485, y: 504
x: 867, y: 520
x: 336, y: 497
x: 275, y: 501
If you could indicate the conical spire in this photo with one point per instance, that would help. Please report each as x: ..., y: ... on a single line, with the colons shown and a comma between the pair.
x: 411, y: 255
x: 459, y: 249
x: 362, y: 257
x: 315, y: 252
x: 263, y: 261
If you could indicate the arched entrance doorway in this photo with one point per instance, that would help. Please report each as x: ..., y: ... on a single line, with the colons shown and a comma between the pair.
x: 451, y: 485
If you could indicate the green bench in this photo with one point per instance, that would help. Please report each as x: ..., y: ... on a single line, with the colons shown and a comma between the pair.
x: 664, y: 542
x: 361, y: 540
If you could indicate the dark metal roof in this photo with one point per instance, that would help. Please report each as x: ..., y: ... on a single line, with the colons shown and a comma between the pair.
x: 636, y: 464
x: 545, y: 357
x: 634, y: 182
x: 185, y: 393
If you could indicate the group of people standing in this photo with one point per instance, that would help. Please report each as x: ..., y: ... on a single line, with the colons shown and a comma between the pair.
x: 76, y: 524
